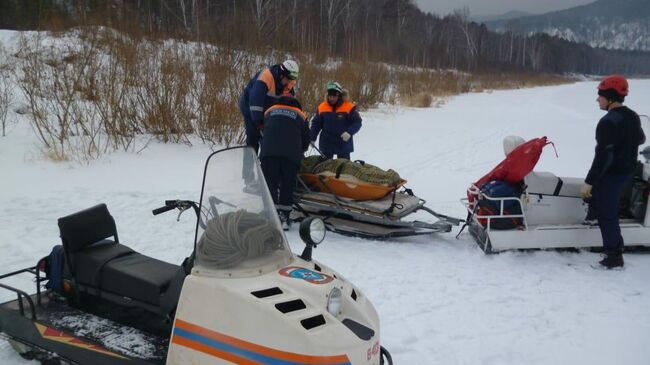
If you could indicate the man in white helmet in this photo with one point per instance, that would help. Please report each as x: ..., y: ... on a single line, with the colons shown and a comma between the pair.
x: 263, y: 91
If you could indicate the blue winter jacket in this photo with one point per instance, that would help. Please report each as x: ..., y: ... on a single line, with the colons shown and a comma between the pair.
x: 331, y: 121
x: 618, y: 136
x: 261, y: 92
x: 286, y: 133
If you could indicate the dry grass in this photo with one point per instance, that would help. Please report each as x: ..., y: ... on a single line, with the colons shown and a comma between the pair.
x: 426, y: 87
x: 420, y: 100
x: 98, y: 95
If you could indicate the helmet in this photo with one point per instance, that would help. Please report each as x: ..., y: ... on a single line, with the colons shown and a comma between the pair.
x: 512, y: 142
x: 617, y: 83
x: 334, y: 86
x: 290, y: 69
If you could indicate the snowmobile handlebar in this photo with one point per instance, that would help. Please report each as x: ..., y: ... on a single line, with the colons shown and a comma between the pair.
x: 182, y: 205
x: 163, y: 209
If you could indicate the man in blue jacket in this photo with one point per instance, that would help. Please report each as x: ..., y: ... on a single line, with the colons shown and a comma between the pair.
x: 286, y: 138
x: 261, y: 92
x: 618, y: 136
x: 336, y: 120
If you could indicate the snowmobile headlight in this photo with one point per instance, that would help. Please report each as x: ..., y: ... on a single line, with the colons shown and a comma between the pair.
x: 334, y: 301
x: 312, y: 231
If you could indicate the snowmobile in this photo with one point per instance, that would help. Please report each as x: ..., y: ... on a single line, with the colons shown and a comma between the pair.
x: 241, y: 297
x: 365, y: 210
x: 549, y: 213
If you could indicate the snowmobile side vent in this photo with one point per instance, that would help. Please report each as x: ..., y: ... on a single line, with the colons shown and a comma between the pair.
x: 291, y: 306
x: 358, y: 329
x: 354, y: 295
x: 267, y: 292
x: 313, y: 322
x: 317, y: 268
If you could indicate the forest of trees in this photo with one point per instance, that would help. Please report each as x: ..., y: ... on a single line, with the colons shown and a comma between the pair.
x: 393, y: 31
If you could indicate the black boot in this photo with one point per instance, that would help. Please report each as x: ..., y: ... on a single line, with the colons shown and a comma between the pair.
x: 285, y: 219
x: 612, y: 261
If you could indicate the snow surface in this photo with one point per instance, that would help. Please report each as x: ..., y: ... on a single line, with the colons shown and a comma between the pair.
x: 440, y: 299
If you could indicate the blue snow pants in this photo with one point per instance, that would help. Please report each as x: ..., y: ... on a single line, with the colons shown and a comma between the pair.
x: 606, y: 202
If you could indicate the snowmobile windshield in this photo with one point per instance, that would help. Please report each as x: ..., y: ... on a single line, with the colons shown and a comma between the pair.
x: 239, y: 233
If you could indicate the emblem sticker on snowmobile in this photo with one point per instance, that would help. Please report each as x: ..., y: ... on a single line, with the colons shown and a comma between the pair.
x: 313, y: 277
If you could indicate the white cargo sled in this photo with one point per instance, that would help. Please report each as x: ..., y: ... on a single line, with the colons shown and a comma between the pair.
x: 242, y: 297
x: 552, y: 215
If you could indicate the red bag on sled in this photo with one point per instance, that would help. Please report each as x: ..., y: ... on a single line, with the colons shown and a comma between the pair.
x: 519, y: 163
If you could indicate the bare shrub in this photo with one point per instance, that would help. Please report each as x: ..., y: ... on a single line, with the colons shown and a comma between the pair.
x: 215, y: 92
x: 6, y: 90
x: 413, y: 85
x: 163, y: 95
x: 57, y: 81
x: 367, y: 84
x: 113, y: 102
x: 98, y: 90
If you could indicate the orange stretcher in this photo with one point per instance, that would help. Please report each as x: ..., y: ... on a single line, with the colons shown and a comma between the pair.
x: 348, y: 189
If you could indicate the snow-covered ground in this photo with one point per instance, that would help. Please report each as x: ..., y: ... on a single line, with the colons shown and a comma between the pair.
x: 440, y: 299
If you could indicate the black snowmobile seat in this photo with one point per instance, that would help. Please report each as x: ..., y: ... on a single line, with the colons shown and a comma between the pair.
x: 101, y: 263
x: 89, y: 262
x: 138, y: 276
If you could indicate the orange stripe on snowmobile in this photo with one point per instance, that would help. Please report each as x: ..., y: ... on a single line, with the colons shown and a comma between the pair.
x: 183, y: 331
x: 212, y: 351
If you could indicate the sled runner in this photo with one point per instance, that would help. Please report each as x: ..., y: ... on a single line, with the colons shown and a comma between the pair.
x: 549, y: 213
x: 240, y: 288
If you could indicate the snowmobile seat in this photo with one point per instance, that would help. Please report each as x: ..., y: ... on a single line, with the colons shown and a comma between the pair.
x: 105, y: 265
x: 546, y: 183
x: 138, y: 276
x: 88, y: 262
x: 85, y: 239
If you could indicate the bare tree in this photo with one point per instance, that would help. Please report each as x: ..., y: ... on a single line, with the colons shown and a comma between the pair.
x: 6, y: 90
x: 6, y: 97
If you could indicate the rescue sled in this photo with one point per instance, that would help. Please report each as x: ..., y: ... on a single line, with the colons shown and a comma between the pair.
x: 241, y: 297
x: 365, y: 210
x: 346, y: 189
x: 550, y: 214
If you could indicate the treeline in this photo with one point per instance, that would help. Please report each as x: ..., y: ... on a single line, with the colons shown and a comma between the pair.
x: 393, y: 31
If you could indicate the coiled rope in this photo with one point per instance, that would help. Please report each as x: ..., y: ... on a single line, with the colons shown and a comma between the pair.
x: 234, y: 237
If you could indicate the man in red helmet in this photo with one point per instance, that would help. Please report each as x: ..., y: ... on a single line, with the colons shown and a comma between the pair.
x: 618, y: 136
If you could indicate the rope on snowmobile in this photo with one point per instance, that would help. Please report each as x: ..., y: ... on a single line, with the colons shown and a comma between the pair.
x: 393, y: 205
x: 470, y: 215
x: 234, y: 237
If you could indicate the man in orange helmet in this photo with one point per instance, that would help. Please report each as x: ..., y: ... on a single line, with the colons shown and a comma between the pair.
x: 618, y: 136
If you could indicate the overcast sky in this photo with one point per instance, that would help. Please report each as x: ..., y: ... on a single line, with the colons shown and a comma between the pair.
x: 495, y: 7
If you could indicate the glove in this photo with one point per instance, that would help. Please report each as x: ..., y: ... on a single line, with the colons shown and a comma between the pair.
x: 345, y: 136
x: 585, y: 191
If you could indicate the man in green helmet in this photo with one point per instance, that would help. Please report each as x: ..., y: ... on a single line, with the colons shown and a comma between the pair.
x: 336, y: 120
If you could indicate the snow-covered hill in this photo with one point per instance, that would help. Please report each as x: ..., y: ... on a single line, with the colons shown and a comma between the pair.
x: 622, y: 24
x: 440, y: 299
